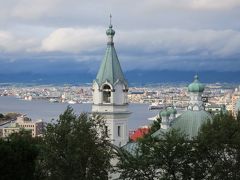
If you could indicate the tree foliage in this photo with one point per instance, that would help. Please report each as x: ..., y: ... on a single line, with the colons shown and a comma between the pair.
x: 18, y: 155
x: 156, y: 125
x: 12, y: 116
x: 158, y: 159
x: 213, y: 154
x: 1, y: 116
x: 139, y: 164
x: 218, y: 148
x: 75, y: 147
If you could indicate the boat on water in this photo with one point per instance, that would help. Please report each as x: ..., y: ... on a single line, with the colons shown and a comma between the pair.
x: 52, y: 100
x: 72, y: 102
x: 155, y: 106
x: 28, y: 98
x: 153, y: 118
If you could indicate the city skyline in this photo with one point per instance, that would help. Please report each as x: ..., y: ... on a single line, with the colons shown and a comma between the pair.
x: 58, y: 37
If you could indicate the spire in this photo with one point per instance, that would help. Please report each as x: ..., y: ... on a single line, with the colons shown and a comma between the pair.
x: 196, y: 78
x: 110, y: 18
x: 110, y: 69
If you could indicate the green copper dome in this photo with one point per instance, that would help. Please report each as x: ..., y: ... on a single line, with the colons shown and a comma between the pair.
x: 190, y: 122
x: 196, y: 86
x: 110, y: 31
x: 171, y: 110
x: 164, y: 113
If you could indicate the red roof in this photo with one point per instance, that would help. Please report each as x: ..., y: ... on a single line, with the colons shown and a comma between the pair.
x: 139, y: 133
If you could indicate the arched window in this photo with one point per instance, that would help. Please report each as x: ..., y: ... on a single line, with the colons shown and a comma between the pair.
x: 106, y: 94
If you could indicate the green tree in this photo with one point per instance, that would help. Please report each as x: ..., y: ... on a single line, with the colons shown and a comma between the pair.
x: 238, y: 116
x: 12, y: 116
x: 137, y: 165
x: 173, y: 155
x: 1, y: 116
x: 75, y: 147
x: 213, y: 154
x: 18, y: 154
x: 156, y: 125
x: 165, y: 158
x: 218, y: 148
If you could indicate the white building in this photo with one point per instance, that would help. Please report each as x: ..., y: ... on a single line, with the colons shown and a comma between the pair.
x: 22, y: 122
x: 110, y: 90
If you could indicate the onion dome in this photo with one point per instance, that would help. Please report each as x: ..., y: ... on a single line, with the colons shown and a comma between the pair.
x: 196, y: 85
x: 164, y: 113
x: 171, y: 110
x: 110, y: 31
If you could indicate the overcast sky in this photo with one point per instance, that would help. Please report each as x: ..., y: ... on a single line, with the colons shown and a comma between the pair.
x: 150, y: 34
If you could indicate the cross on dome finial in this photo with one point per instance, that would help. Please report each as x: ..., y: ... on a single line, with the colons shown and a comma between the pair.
x: 110, y: 21
x: 110, y: 32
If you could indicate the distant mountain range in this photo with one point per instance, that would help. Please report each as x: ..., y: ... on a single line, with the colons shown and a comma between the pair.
x: 139, y: 77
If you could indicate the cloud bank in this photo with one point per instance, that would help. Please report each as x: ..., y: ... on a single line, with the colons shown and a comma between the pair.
x: 150, y: 34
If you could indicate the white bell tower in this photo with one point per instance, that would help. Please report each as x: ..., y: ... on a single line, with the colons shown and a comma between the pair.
x: 110, y: 91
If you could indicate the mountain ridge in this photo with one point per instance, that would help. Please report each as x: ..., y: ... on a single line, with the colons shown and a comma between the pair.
x: 134, y: 76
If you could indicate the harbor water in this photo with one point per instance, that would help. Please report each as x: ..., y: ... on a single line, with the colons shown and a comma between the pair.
x: 43, y: 109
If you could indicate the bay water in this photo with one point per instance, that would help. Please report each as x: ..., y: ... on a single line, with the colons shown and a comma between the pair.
x: 43, y: 109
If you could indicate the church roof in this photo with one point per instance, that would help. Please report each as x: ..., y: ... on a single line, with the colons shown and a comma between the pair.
x: 110, y: 69
x: 159, y: 133
x: 131, y: 148
x: 190, y: 122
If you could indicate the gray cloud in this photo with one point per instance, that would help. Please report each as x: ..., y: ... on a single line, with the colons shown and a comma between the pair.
x: 73, y: 40
x: 128, y: 14
x: 150, y: 34
x: 11, y: 43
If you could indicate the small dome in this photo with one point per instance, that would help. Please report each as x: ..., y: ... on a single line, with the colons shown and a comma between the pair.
x: 164, y: 113
x: 110, y: 31
x: 171, y: 110
x: 196, y: 86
